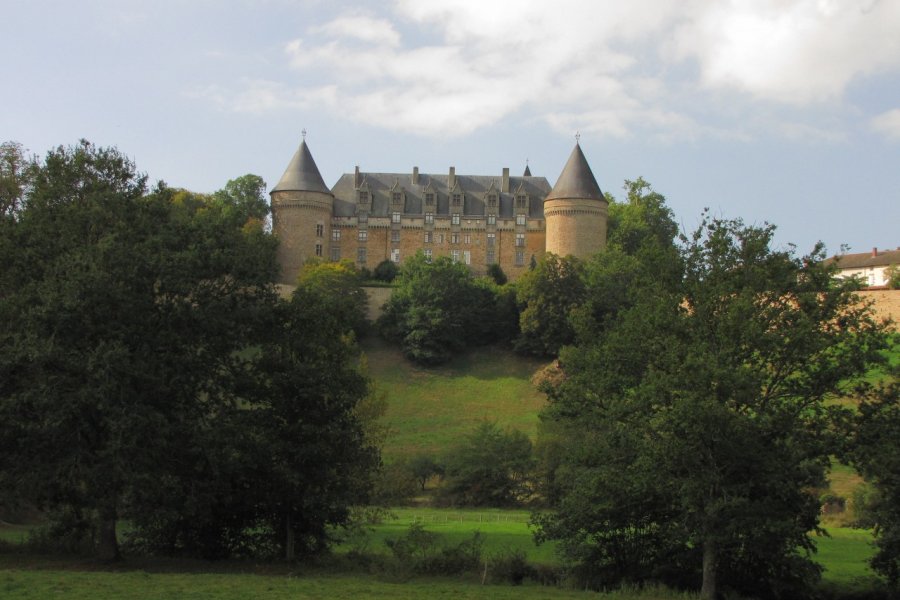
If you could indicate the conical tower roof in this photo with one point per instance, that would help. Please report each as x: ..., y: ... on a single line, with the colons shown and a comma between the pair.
x: 576, y: 180
x: 302, y: 174
x: 527, y: 172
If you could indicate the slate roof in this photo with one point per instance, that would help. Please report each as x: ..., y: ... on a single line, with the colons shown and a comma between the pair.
x: 576, y: 180
x: 473, y: 187
x: 864, y: 260
x: 302, y: 174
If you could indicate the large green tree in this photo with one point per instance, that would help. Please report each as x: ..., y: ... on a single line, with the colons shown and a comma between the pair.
x: 122, y: 315
x: 697, y: 423
x: 547, y: 295
x: 438, y: 309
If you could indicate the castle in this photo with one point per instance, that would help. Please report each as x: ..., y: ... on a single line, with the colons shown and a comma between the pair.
x: 478, y: 220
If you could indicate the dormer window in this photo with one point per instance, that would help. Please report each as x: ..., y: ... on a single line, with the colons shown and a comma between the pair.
x: 521, y: 201
x: 363, y: 197
x: 492, y: 201
x: 429, y: 199
x: 457, y: 199
x: 397, y: 197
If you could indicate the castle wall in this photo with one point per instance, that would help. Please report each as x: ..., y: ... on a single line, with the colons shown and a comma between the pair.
x: 576, y: 226
x: 472, y: 242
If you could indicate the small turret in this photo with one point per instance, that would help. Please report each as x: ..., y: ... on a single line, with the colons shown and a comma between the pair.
x: 576, y: 210
x: 302, y: 207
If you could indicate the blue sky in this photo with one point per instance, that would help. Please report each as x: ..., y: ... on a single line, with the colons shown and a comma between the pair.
x: 786, y: 111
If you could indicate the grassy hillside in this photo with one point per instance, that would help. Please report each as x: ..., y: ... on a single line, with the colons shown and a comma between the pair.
x: 430, y: 408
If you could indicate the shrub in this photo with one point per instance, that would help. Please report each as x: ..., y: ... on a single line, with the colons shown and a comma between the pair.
x: 386, y: 270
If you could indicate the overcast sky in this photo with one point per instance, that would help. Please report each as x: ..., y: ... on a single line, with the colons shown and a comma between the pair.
x: 786, y: 111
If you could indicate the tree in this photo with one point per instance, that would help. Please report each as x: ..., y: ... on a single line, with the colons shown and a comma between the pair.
x: 387, y: 270
x: 548, y: 294
x: 437, y: 309
x: 321, y: 456
x: 874, y: 448
x: 697, y: 418
x: 341, y: 283
x: 122, y: 315
x: 423, y: 467
x: 893, y: 277
x: 490, y: 467
x: 495, y: 272
x: 16, y: 170
x: 244, y: 199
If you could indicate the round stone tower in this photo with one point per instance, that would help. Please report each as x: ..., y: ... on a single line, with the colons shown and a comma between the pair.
x: 302, y: 206
x: 576, y: 211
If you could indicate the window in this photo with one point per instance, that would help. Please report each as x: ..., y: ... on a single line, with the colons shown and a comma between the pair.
x: 395, y: 235
x: 335, y: 254
x: 520, y: 240
x: 454, y: 255
x: 457, y: 199
x: 521, y: 201
x: 520, y: 258
x: 455, y: 219
x: 335, y: 235
x: 491, y: 239
x: 429, y: 199
x: 492, y: 201
x: 395, y: 255
x: 320, y: 230
x: 395, y: 217
x: 363, y: 217
x: 362, y: 235
x: 429, y: 237
x: 454, y: 238
x: 318, y: 249
x: 429, y: 218
x: 492, y: 219
x: 440, y: 238
x: 361, y: 256
x: 520, y: 219
x: 490, y: 256
x: 467, y: 257
x: 364, y: 197
x: 427, y: 253
x: 467, y: 239
x: 397, y: 197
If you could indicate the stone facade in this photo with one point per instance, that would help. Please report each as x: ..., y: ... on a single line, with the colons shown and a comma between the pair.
x: 474, y: 219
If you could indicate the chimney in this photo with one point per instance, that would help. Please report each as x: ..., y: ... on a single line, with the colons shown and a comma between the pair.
x: 505, y: 187
x: 874, y: 252
x: 451, y: 179
x: 356, y: 179
x: 415, y: 177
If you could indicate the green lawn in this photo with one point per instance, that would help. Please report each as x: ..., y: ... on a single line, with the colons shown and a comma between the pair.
x: 25, y: 578
x: 503, y: 530
x: 429, y: 409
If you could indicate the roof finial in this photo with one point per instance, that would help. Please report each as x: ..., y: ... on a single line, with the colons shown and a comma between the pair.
x: 577, y: 137
x: 303, y: 133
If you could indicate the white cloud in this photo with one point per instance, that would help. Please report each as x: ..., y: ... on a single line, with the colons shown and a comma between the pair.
x: 888, y: 124
x: 448, y: 67
x: 795, y: 52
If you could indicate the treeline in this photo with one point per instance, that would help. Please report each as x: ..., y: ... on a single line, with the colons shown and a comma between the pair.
x: 149, y: 371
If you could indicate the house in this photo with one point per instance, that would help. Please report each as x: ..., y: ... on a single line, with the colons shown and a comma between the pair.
x: 871, y: 268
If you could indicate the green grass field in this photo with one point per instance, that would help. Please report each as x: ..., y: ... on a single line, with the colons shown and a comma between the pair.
x: 41, y: 579
x: 431, y: 408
